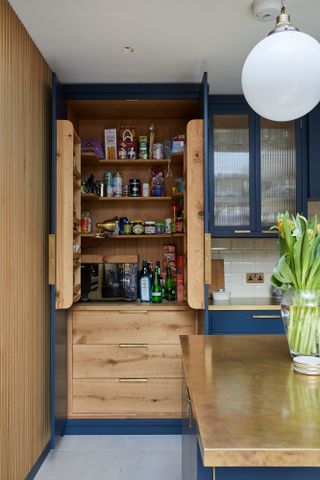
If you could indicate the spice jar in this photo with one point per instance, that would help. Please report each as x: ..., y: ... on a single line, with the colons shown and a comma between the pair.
x: 149, y: 228
x: 127, y: 228
x: 137, y: 227
x: 160, y: 227
x: 86, y: 222
x: 134, y: 187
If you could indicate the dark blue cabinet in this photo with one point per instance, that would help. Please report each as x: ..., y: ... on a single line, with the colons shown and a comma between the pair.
x: 257, y: 169
x: 314, y: 153
x: 245, y: 322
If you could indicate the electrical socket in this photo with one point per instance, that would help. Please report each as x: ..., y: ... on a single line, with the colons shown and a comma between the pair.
x: 253, y: 277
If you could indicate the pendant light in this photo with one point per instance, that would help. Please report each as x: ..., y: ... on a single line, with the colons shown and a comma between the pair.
x: 281, y: 75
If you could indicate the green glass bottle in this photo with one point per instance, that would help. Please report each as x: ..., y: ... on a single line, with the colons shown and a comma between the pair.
x: 169, y: 287
x: 156, y: 287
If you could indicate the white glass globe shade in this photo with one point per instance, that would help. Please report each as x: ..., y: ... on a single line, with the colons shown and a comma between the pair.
x: 281, y: 76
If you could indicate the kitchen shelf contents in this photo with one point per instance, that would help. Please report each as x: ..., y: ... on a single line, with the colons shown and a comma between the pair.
x: 130, y: 237
x: 92, y: 197
x: 92, y: 161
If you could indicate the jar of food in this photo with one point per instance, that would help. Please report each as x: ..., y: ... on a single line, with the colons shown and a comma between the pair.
x: 86, y: 222
x: 168, y: 225
x: 127, y: 228
x: 179, y: 224
x: 134, y: 187
x: 160, y: 228
x: 117, y: 185
x: 145, y: 190
x: 137, y: 227
x: 149, y: 228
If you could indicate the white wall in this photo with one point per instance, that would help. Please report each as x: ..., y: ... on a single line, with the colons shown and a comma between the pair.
x: 242, y: 255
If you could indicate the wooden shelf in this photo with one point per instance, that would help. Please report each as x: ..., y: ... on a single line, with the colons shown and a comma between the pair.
x: 178, y: 195
x: 76, y: 256
x: 135, y: 237
x: 76, y: 232
x: 92, y: 197
x: 91, y: 160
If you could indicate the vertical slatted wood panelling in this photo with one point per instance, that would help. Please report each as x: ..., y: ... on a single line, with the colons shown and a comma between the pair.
x: 25, y: 87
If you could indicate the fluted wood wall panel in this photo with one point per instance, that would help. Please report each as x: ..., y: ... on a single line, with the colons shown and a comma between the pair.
x: 25, y: 88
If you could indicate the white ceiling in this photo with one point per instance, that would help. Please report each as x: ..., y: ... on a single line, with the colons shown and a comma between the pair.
x: 174, y: 40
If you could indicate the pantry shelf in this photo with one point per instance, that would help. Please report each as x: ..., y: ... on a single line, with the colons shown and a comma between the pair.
x: 133, y: 237
x: 92, y: 197
x: 91, y: 160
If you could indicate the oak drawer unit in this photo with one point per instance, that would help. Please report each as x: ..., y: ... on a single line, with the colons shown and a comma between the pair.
x: 126, y: 363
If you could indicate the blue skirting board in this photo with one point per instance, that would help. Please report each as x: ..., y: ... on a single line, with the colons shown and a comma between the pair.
x: 123, y: 427
x: 36, y: 467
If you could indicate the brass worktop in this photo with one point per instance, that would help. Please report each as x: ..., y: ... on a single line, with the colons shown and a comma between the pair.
x: 250, y: 408
x: 247, y: 303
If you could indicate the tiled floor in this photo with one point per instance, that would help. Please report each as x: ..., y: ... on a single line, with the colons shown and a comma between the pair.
x: 114, y: 457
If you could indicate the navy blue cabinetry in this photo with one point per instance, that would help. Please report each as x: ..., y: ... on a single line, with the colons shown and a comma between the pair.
x: 258, y: 168
x: 314, y: 153
x: 244, y: 322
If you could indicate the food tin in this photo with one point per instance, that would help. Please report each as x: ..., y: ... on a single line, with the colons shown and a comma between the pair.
x: 167, y: 222
x: 127, y: 229
x: 157, y: 151
x: 134, y: 187
x: 137, y: 227
x: 143, y: 147
x: 145, y: 190
x: 149, y: 228
x: 117, y: 185
x: 108, y: 182
x: 160, y: 227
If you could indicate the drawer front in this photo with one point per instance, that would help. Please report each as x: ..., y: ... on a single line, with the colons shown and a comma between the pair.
x: 127, y: 360
x: 151, y: 327
x: 141, y: 397
x: 246, y: 322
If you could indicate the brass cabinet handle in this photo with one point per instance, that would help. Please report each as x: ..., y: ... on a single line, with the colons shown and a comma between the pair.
x: 133, y: 380
x: 241, y: 231
x: 133, y: 312
x: 273, y: 232
x: 266, y: 316
x: 133, y: 345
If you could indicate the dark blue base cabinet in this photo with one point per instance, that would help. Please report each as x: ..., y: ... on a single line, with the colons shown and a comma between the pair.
x: 245, y: 322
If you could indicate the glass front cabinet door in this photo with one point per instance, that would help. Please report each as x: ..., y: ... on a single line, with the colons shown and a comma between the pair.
x: 256, y: 172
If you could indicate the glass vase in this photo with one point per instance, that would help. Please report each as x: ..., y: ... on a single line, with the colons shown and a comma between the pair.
x: 300, y: 311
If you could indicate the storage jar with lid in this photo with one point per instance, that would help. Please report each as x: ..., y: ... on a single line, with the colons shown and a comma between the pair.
x: 137, y: 227
x: 160, y: 227
x: 149, y: 228
x: 134, y: 187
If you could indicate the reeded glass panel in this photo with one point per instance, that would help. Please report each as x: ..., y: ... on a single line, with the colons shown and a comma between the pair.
x: 278, y: 169
x: 231, y: 170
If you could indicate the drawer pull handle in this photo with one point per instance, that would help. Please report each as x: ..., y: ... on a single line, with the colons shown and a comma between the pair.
x: 241, y: 231
x: 133, y: 312
x: 133, y: 380
x: 273, y: 232
x: 266, y: 316
x: 133, y: 345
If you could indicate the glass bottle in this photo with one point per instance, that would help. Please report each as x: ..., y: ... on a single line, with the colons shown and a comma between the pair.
x: 156, y: 287
x: 169, y: 288
x: 145, y: 284
x: 160, y: 278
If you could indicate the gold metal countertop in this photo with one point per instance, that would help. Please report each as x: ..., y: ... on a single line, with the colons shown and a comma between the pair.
x: 264, y: 303
x: 250, y: 408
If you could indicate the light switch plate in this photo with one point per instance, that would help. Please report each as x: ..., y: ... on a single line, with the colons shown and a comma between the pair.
x: 255, y: 277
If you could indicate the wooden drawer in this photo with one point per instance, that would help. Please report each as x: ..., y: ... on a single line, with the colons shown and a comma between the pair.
x: 132, y: 397
x: 131, y: 326
x: 113, y: 361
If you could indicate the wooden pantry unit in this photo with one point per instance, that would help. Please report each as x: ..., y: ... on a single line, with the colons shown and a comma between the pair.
x: 124, y: 358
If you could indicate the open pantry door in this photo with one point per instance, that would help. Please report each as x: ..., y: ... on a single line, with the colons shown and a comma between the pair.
x: 58, y: 320
x: 197, y: 207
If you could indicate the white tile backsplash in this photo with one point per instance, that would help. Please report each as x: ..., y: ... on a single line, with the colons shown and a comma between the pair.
x: 244, y: 255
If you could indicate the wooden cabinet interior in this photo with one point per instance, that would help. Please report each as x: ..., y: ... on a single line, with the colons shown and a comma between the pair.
x: 170, y: 117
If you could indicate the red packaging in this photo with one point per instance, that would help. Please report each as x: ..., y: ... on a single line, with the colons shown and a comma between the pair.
x: 180, y: 287
x: 169, y: 256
